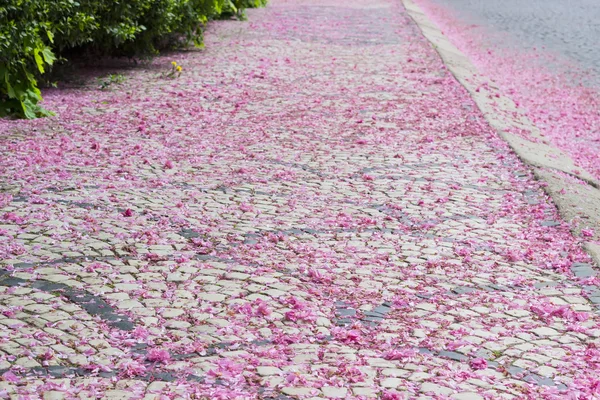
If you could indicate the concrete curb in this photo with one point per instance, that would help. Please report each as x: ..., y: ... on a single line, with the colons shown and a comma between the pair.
x: 578, y: 204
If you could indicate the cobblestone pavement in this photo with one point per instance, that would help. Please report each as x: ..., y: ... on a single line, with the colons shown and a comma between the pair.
x: 314, y: 209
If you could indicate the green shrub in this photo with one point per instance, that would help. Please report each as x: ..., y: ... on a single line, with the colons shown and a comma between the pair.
x: 25, y: 31
x: 249, y: 3
x: 34, y: 32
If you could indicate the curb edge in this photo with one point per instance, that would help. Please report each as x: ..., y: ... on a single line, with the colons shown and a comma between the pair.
x: 546, y: 161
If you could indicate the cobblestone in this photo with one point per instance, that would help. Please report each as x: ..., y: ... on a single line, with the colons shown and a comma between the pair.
x: 326, y: 215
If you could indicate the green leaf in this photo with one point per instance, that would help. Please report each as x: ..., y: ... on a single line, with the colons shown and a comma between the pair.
x: 42, y: 112
x: 38, y: 60
x: 28, y: 109
x: 48, y: 55
x: 34, y: 94
x: 4, y: 77
x: 10, y: 91
x: 231, y: 6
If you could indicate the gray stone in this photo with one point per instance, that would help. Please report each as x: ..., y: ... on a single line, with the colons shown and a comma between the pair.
x: 549, y: 223
x: 595, y: 300
x: 346, y: 312
x: 584, y: 271
x: 453, y: 355
x: 514, y: 370
x: 373, y: 314
x: 188, y: 233
x: 383, y: 309
x: 464, y: 289
x: 540, y: 380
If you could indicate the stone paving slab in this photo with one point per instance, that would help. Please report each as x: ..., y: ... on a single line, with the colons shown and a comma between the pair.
x: 315, y: 209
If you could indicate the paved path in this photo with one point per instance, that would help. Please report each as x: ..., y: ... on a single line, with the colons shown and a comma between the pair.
x: 315, y: 208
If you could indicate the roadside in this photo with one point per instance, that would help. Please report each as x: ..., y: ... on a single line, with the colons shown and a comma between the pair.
x: 578, y: 199
x: 315, y: 208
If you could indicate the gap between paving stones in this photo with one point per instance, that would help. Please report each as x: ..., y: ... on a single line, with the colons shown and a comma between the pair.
x: 59, y: 371
x: 372, y: 320
x: 385, y: 209
x: 546, y: 162
x: 346, y: 313
x: 579, y: 269
x: 376, y: 316
x: 406, y: 219
x: 96, y: 306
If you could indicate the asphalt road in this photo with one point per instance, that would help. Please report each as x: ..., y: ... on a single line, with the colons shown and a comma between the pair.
x: 570, y: 28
